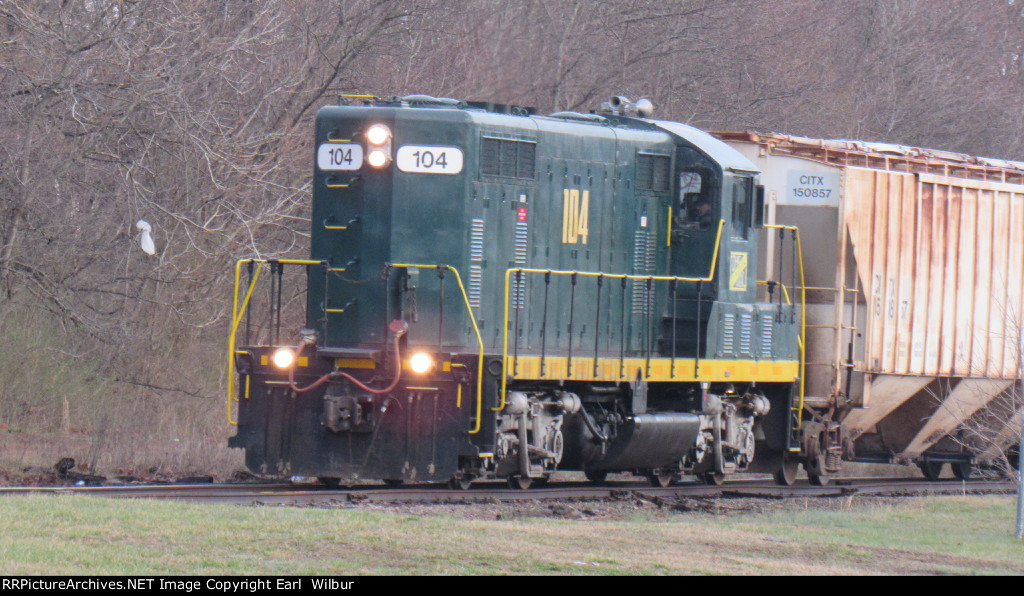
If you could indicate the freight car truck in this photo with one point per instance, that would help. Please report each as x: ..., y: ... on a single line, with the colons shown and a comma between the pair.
x: 914, y: 290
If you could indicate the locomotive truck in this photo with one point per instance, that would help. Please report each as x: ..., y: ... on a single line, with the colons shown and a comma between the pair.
x: 496, y: 294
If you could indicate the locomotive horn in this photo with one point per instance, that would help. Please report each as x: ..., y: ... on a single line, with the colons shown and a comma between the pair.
x: 644, y: 107
x: 619, y: 101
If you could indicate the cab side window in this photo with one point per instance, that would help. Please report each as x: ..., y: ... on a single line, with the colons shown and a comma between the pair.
x: 742, y: 189
x: 696, y: 206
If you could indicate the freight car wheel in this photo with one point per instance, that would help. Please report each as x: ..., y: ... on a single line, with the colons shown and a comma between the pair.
x: 596, y: 476
x: 331, y: 483
x: 660, y: 479
x: 962, y: 470
x: 814, y: 465
x: 931, y: 469
x: 786, y: 474
x: 713, y: 478
x: 518, y: 482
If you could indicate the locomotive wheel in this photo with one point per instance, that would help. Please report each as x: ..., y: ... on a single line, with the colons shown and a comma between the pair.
x: 931, y: 469
x: 713, y: 478
x: 660, y: 480
x: 518, y: 482
x: 786, y: 474
x: 460, y: 482
x: 962, y: 470
x: 596, y: 476
x: 331, y: 483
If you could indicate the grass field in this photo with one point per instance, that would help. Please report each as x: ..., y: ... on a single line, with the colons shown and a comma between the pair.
x: 93, y: 536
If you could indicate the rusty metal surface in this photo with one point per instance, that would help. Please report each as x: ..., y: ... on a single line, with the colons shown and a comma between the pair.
x: 940, y: 260
x: 882, y: 156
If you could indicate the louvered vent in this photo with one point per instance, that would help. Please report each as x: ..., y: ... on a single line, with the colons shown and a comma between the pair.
x: 519, y: 254
x: 476, y: 257
x: 766, y: 338
x: 643, y: 263
x: 728, y: 333
x: 652, y: 172
x: 508, y: 158
x: 746, y: 328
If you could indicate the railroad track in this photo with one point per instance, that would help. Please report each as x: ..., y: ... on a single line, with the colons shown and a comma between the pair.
x: 284, y: 493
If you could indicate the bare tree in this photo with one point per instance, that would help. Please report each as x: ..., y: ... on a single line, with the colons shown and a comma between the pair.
x: 196, y: 117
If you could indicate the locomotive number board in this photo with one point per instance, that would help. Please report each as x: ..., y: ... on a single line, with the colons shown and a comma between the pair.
x: 429, y: 160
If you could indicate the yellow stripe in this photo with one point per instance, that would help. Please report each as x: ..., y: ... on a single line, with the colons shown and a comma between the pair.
x: 445, y: 366
x: 355, y: 363
x: 556, y: 368
x: 302, y: 361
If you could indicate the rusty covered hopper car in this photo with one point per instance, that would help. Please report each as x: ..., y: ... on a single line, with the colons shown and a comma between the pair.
x: 913, y: 266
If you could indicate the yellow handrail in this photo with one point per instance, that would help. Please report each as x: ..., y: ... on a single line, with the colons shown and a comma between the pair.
x: 236, y: 317
x: 476, y: 330
x: 785, y: 290
x: 238, y: 313
x: 508, y: 273
x: 803, y: 314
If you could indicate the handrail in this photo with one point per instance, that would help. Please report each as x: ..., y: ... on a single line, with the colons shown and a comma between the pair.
x: 476, y: 330
x: 237, y: 314
x: 785, y: 290
x: 803, y: 312
x: 508, y: 273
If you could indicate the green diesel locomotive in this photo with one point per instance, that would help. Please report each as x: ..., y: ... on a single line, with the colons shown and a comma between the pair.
x: 496, y: 294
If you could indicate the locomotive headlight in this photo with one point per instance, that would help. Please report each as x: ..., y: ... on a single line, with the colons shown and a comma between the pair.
x: 377, y: 158
x: 378, y: 134
x: 283, y: 358
x: 421, y: 362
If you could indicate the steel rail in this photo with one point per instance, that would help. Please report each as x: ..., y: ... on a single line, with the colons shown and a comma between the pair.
x: 489, y: 492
